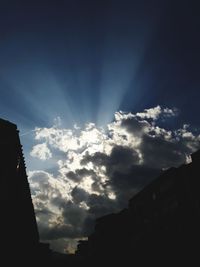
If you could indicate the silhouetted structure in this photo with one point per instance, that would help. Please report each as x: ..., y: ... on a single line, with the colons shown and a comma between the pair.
x: 19, y: 233
x: 160, y: 226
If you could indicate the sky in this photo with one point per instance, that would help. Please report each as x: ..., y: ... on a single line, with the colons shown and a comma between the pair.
x: 105, y: 95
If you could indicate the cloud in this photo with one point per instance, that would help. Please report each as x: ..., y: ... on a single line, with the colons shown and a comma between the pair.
x: 78, y: 174
x: 157, y: 112
x: 41, y: 151
x: 79, y: 195
x: 101, y: 205
x: 99, y: 169
x: 64, y: 245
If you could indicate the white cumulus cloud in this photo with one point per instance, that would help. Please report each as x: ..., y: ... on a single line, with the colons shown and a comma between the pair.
x: 157, y: 112
x: 41, y: 151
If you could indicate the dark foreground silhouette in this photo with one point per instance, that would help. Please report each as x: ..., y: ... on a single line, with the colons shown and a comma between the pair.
x: 19, y: 239
x: 159, y: 228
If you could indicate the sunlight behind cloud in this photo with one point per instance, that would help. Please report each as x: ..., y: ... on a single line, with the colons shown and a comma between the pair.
x: 41, y: 151
x: 98, y: 169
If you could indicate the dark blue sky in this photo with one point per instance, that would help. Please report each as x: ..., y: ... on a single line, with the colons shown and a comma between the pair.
x: 83, y: 60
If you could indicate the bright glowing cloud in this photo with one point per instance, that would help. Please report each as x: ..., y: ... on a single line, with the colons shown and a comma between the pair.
x: 156, y: 112
x: 41, y: 151
x: 99, y: 169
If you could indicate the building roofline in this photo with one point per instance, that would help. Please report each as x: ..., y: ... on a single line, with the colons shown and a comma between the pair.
x: 6, y: 123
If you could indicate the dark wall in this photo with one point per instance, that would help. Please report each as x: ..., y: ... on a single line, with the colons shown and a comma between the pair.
x: 19, y: 236
x: 160, y: 227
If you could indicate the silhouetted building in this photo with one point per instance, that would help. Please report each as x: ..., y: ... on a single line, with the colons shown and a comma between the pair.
x: 82, y: 249
x: 160, y: 227
x: 19, y: 233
